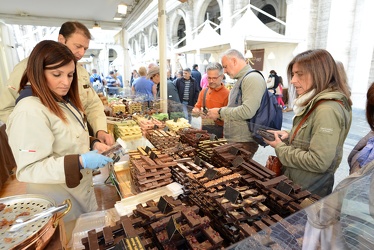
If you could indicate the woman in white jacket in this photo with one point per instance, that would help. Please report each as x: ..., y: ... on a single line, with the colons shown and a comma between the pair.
x: 48, y: 132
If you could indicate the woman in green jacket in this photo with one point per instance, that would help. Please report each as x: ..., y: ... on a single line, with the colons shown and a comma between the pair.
x: 312, y: 151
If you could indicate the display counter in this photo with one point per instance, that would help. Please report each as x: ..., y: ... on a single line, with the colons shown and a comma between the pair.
x: 182, y: 188
x: 205, y: 167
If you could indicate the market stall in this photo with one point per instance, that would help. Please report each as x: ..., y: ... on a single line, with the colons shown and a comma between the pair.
x: 184, y: 188
x: 181, y: 187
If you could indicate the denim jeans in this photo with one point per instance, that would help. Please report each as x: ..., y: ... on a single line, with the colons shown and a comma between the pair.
x: 185, y: 109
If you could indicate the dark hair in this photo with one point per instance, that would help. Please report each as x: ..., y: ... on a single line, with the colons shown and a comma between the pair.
x: 273, y: 72
x: 195, y: 66
x: 370, y: 106
x: 187, y: 69
x: 50, y: 55
x: 323, y: 70
x: 69, y: 28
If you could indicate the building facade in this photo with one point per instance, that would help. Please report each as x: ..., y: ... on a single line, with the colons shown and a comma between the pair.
x: 198, y: 31
x: 341, y: 27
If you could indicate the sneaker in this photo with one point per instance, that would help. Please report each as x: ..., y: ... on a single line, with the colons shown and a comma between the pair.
x: 284, y: 107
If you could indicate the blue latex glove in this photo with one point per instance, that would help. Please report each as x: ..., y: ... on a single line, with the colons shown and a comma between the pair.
x: 93, y: 160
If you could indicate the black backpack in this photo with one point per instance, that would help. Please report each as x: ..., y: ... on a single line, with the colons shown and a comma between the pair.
x: 268, y: 116
x: 276, y: 83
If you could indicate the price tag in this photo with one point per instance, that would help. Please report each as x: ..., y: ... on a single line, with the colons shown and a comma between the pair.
x: 233, y: 151
x: 198, y: 136
x: 210, y: 173
x: 197, y: 161
x: 166, y: 128
x: 131, y: 243
x: 284, y: 188
x: 175, y: 119
x: 237, y: 161
x: 213, y: 137
x: 164, y: 206
x: 173, y: 230
x: 147, y: 149
x: 232, y: 194
x: 153, y: 155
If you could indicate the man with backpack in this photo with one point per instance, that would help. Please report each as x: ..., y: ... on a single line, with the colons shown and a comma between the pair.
x: 240, y: 107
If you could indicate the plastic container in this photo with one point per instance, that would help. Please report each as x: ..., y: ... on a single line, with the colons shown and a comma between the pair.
x: 86, y: 222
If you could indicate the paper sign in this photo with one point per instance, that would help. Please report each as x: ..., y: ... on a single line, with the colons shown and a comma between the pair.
x: 153, y: 155
x: 213, y: 137
x: 147, y: 149
x: 164, y: 206
x: 173, y: 230
x: 197, y: 161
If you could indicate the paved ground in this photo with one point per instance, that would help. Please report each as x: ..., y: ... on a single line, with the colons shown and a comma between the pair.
x: 358, y: 130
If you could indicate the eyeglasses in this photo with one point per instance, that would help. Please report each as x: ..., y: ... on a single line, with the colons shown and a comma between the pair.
x: 214, y: 78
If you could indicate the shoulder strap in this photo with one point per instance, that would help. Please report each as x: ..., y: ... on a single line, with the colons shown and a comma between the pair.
x: 308, y: 114
x: 240, y: 84
x: 206, y: 91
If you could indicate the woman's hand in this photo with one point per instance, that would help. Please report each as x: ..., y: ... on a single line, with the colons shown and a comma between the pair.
x: 94, y: 160
x: 100, y: 147
x: 104, y: 137
x: 279, y: 135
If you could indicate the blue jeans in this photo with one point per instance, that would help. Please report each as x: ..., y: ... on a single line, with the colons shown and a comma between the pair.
x: 185, y: 109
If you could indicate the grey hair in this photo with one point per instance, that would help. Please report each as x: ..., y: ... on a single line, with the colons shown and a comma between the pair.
x: 215, y: 66
x: 233, y: 53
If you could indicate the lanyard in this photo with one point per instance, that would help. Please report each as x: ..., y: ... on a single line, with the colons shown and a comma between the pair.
x: 81, y: 121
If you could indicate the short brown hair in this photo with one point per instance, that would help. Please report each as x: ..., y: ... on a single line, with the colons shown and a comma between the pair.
x: 71, y: 27
x: 142, y: 71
